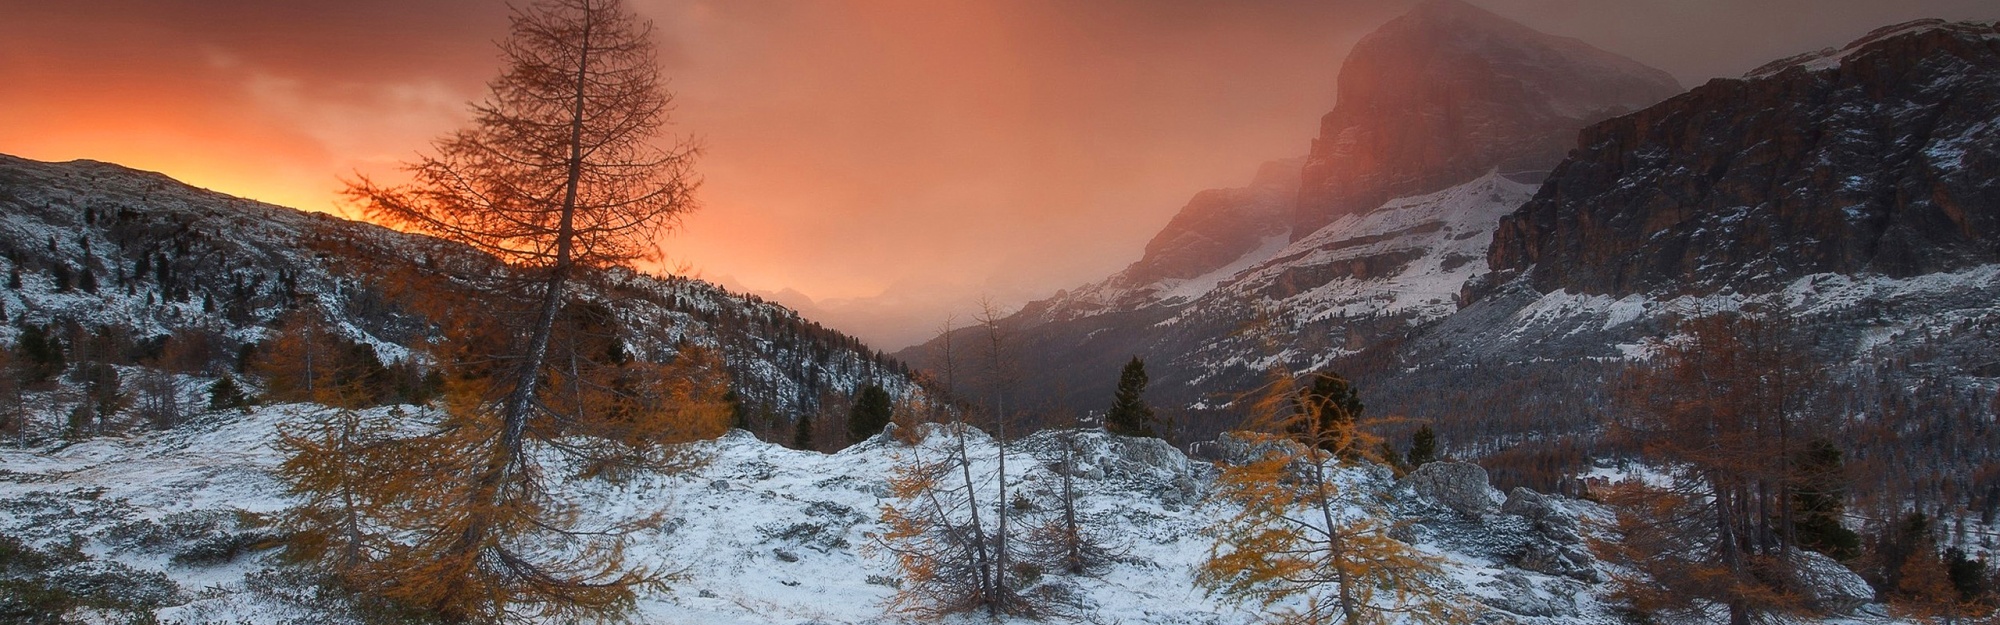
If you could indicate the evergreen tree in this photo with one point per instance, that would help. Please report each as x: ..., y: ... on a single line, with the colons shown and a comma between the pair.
x: 802, y: 432
x: 14, y: 278
x: 41, y: 355
x: 1423, y: 447
x: 1820, y: 502
x: 1129, y: 414
x: 1968, y: 576
x: 871, y: 412
x: 224, y: 394
x: 1336, y: 406
x: 61, y: 274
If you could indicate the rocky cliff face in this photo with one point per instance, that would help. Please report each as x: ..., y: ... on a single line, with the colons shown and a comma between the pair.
x: 1878, y: 158
x: 1449, y: 92
x: 1844, y: 199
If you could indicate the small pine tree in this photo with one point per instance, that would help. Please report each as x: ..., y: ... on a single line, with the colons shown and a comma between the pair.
x: 1423, y: 447
x: 1820, y: 502
x: 871, y: 412
x: 87, y: 281
x: 41, y: 355
x: 61, y: 274
x: 14, y: 278
x: 1336, y: 406
x: 226, y: 394
x: 1129, y: 414
x: 802, y: 432
x: 1967, y: 575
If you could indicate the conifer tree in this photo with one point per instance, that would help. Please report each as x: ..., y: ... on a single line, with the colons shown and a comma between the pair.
x: 1060, y: 540
x: 343, y: 464
x: 1296, y: 535
x: 1423, y: 447
x: 1336, y: 406
x: 1721, y: 405
x: 871, y: 412
x: 41, y: 355
x: 225, y: 394
x: 1129, y: 415
x: 558, y: 174
x: 940, y: 527
x: 1819, y: 502
x: 802, y: 432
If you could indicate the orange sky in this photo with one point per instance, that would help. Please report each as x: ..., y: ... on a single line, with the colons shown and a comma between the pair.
x: 894, y: 159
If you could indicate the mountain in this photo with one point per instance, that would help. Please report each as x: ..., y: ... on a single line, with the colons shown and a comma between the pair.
x: 1450, y: 91
x: 1447, y: 117
x: 1845, y: 198
x: 177, y: 266
x: 1877, y: 158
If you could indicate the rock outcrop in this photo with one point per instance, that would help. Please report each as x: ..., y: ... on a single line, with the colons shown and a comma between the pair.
x: 1448, y: 92
x: 1878, y: 158
x: 1460, y: 486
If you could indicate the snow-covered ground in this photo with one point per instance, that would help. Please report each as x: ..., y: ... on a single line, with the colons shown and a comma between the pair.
x: 762, y: 534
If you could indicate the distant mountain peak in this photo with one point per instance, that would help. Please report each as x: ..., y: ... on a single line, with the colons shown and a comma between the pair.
x: 1449, y: 91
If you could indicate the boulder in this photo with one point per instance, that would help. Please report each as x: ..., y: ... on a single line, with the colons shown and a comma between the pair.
x: 1829, y: 585
x: 1460, y: 486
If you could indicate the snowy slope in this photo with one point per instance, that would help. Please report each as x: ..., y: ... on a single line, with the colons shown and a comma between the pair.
x: 763, y: 534
x: 172, y: 258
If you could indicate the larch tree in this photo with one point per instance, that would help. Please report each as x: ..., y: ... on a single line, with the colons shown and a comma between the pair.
x: 940, y: 528
x: 1129, y: 415
x: 1721, y: 406
x: 1059, y: 539
x: 560, y: 172
x: 1301, y: 535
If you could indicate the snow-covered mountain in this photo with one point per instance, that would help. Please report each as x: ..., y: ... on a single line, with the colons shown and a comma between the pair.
x: 1447, y: 117
x: 1848, y: 197
x: 102, y: 248
x: 179, y: 525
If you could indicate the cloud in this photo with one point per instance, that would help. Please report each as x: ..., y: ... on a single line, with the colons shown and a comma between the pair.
x: 903, y: 155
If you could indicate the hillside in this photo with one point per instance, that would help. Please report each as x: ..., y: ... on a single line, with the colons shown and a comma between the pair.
x: 163, y: 259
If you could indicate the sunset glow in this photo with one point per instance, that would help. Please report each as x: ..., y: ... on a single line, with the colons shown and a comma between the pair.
x: 916, y: 153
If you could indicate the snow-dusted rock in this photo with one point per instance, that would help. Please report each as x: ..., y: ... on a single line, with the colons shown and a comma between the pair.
x: 1460, y: 486
x: 1830, y: 585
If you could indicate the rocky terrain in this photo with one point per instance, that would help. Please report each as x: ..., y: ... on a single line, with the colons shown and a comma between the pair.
x: 1877, y: 159
x: 1845, y: 197
x: 182, y: 526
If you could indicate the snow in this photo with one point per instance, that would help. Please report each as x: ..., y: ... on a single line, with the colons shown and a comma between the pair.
x: 761, y: 534
x: 1832, y: 58
x: 1178, y: 291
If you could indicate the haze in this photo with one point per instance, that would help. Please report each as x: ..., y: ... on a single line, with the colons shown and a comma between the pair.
x: 881, y: 164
